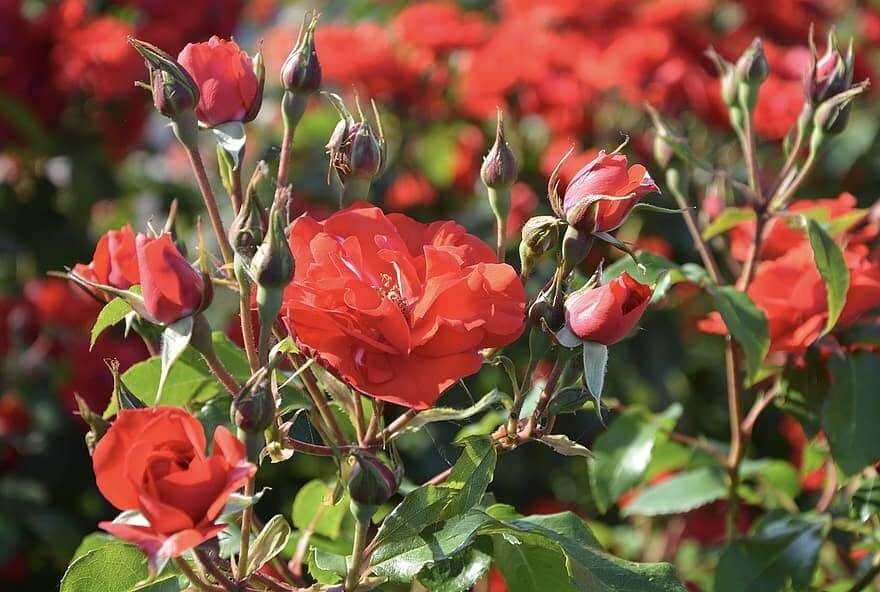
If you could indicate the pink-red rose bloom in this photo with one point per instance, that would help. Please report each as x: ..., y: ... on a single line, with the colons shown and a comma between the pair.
x: 606, y: 314
x: 153, y: 461
x: 603, y: 193
x: 224, y: 74
x: 114, y: 262
x: 398, y: 309
x: 171, y: 287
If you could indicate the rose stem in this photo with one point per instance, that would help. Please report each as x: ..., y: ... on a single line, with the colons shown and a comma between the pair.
x: 220, y: 371
x: 208, y: 565
x: 195, y: 159
x: 193, y: 578
x: 247, y: 325
x: 246, y: 516
x: 360, y: 422
x: 357, y: 555
x: 398, y: 424
x: 378, y: 409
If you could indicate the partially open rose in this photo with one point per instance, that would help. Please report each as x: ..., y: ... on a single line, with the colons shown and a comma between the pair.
x: 153, y: 461
x: 114, y: 262
x: 398, y: 309
x: 605, y: 314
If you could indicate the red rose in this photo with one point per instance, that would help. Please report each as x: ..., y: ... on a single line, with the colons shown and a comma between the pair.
x: 230, y: 90
x: 791, y: 295
x: 171, y: 288
x: 114, y: 262
x: 153, y: 461
x: 58, y: 302
x: 399, y: 309
x: 612, y: 186
x: 605, y: 314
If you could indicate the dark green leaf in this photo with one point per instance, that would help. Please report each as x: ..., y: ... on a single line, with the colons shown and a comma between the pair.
x: 430, y: 504
x: 680, y: 493
x: 851, y: 411
x: 783, y: 551
x: 746, y: 323
x: 436, y: 414
x: 187, y: 381
x: 865, y: 501
x: 458, y: 573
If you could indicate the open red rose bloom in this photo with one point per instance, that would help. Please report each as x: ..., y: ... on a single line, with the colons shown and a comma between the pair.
x: 153, y: 461
x: 399, y: 309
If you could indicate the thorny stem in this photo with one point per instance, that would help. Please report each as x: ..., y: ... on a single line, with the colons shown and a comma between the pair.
x: 373, y: 428
x: 754, y: 254
x: 195, y: 159
x: 750, y: 152
x: 694, y: 230
x: 197, y: 582
x: 546, y: 393
x: 319, y: 450
x: 360, y: 421
x: 220, y: 371
x: 398, y: 424
x: 734, y: 408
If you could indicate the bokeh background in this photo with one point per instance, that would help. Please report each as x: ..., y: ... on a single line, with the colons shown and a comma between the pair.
x: 81, y: 152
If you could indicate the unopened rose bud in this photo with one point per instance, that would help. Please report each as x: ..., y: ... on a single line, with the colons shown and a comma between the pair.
x: 174, y: 90
x: 371, y: 482
x: 301, y: 72
x: 539, y: 235
x: 576, y: 245
x: 357, y: 153
x: 832, y: 116
x: 246, y: 230
x: 272, y: 265
x: 365, y: 157
x: 253, y: 408
x: 752, y: 67
x: 831, y: 74
x: 500, y: 169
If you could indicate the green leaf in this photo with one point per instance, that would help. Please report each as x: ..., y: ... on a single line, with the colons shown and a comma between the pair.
x: 777, y: 481
x: 832, y: 267
x: 865, y: 502
x: 325, y: 567
x: 728, y: 218
x: 233, y: 357
x: 595, y: 365
x: 91, y: 542
x: 746, y: 323
x: 429, y: 504
x: 622, y: 453
x: 175, y: 338
x: 402, y: 558
x: 313, y: 509
x: 436, y: 414
x: 558, y: 552
x: 114, y: 567
x: 269, y: 543
x: 783, y: 551
x: 802, y: 393
x: 563, y: 445
x: 113, y: 312
x: 851, y: 411
x: 188, y: 380
x: 680, y: 493
x: 458, y: 573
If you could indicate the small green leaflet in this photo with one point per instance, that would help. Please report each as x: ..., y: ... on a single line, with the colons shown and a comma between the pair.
x: 728, y: 218
x: 113, y: 312
x: 831, y: 266
x: 746, y: 323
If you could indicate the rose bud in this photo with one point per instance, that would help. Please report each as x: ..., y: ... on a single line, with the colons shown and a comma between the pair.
x: 539, y: 235
x: 230, y: 84
x: 831, y: 74
x: 153, y: 461
x: 246, y: 231
x: 253, y: 408
x: 175, y: 93
x: 301, y: 72
x: 370, y: 482
x: 172, y: 289
x: 832, y: 116
x: 605, y: 314
x: 603, y: 193
x: 751, y: 70
x: 500, y: 169
x: 272, y: 270
x: 114, y: 262
x: 357, y: 154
